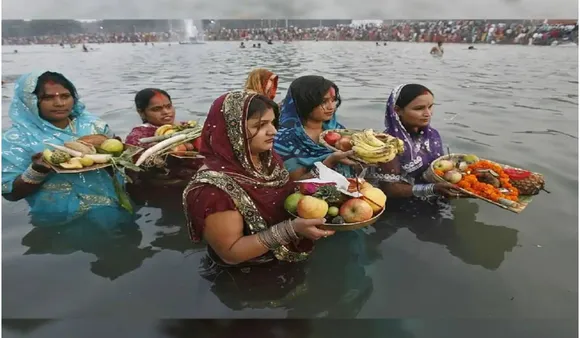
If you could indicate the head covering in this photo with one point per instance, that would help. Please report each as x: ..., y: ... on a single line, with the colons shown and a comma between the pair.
x: 420, y: 149
x: 61, y: 198
x: 292, y: 143
x: 258, y: 79
x: 228, y: 166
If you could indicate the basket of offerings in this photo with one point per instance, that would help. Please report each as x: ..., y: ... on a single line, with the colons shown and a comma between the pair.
x: 187, y: 149
x: 88, y: 153
x: 346, y: 204
x: 369, y: 148
x: 181, y: 141
x: 504, y: 186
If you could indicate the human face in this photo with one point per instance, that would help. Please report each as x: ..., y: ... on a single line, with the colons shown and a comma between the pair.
x: 417, y: 114
x: 261, y: 131
x: 55, y: 102
x: 160, y: 111
x: 325, y: 111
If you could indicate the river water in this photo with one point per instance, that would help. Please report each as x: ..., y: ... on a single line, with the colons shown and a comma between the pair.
x: 513, y: 104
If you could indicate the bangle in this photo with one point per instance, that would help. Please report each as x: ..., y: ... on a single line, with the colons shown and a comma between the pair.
x: 314, y: 172
x: 278, y: 235
x: 32, y: 176
x: 423, y: 190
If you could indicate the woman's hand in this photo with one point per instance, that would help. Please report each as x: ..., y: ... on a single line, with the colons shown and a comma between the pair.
x: 448, y: 190
x: 308, y: 228
x: 339, y: 157
x: 39, y: 165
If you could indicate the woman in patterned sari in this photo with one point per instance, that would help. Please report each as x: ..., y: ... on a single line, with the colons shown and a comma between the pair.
x: 236, y: 201
x: 309, y: 109
x: 408, y: 117
x: 46, y: 108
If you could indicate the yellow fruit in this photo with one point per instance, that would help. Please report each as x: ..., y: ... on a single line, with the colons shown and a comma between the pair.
x: 46, y: 154
x: 73, y: 163
x: 86, y: 161
x: 311, y: 207
x: 169, y: 132
x: 375, y: 197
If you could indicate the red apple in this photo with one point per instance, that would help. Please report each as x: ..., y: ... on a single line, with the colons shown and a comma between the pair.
x: 197, y: 143
x: 356, y: 210
x: 344, y: 144
x: 332, y: 137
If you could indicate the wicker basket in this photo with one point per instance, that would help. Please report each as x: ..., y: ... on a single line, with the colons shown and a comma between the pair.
x: 430, y: 176
x: 349, y: 226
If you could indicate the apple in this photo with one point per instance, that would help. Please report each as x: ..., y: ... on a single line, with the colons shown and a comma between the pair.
x: 470, y: 159
x: 375, y: 197
x: 333, y: 211
x: 311, y: 207
x: 332, y: 137
x: 356, y: 210
x: 443, y: 165
x: 197, y: 143
x: 291, y: 202
x: 453, y: 176
x: 344, y: 144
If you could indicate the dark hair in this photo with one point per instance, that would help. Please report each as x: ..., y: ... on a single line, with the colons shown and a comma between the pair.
x: 56, y: 78
x: 259, y: 104
x: 143, y: 97
x: 308, y: 93
x: 409, y: 93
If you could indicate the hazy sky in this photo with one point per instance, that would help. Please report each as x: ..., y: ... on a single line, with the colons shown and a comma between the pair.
x: 319, y: 9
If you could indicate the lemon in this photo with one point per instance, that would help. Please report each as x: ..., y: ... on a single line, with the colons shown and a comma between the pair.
x: 86, y: 161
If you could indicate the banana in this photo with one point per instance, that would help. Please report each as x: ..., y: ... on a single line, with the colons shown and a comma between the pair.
x: 169, y: 132
x: 384, y: 159
x: 164, y: 128
x: 371, y: 139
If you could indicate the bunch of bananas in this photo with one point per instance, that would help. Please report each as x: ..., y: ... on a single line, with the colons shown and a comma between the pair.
x: 379, y: 148
x: 168, y: 129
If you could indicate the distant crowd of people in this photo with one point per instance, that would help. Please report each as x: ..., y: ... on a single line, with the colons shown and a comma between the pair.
x: 432, y: 31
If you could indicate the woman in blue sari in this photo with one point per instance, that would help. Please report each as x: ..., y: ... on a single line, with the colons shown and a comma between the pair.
x: 46, y: 108
x: 309, y: 109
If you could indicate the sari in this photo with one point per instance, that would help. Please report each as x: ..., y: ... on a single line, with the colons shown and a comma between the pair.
x: 229, y: 181
x: 62, y: 197
x: 292, y: 143
x: 142, y: 131
x: 259, y: 81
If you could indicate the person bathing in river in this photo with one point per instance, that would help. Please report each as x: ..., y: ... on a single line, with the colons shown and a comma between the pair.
x: 262, y: 81
x: 308, y: 109
x: 408, y: 117
x: 46, y: 108
x: 236, y: 201
x: 156, y: 109
x: 437, y: 50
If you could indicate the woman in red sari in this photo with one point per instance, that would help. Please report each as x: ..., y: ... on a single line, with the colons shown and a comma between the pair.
x: 155, y: 108
x: 236, y: 201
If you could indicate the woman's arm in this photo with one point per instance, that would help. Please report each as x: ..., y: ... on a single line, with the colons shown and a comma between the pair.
x: 224, y: 232
x: 29, y: 181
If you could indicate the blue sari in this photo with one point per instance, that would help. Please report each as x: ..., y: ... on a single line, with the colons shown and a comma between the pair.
x: 62, y: 198
x: 295, y: 147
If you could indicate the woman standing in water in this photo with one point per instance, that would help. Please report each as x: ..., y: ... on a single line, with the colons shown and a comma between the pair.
x: 46, y: 108
x: 408, y: 117
x: 262, y: 81
x: 308, y: 109
x: 236, y: 201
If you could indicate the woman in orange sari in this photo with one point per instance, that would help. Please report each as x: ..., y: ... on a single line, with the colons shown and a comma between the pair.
x: 262, y: 81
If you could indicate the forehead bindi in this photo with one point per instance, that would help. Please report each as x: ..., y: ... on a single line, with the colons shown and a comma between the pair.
x: 330, y: 94
x: 158, y: 100
x: 52, y: 89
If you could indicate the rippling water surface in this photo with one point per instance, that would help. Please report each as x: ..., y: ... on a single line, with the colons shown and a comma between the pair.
x: 514, y: 104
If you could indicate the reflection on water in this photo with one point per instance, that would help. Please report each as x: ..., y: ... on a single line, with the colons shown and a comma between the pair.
x: 469, y: 259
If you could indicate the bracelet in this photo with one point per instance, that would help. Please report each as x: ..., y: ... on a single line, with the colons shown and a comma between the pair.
x: 278, y: 235
x: 424, y: 190
x: 32, y: 176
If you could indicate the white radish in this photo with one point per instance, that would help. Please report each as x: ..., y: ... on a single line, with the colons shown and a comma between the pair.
x: 69, y: 151
x: 99, y: 158
x: 159, y: 146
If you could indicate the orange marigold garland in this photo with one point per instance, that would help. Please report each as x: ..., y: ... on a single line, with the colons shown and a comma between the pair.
x: 472, y: 184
